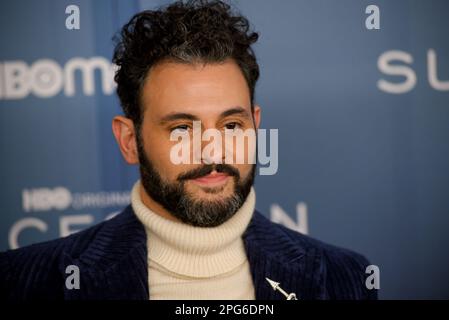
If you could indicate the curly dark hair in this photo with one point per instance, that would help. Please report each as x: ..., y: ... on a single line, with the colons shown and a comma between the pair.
x: 197, y: 31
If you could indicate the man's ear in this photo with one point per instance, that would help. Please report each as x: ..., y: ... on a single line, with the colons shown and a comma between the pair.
x: 125, y: 135
x: 256, y: 116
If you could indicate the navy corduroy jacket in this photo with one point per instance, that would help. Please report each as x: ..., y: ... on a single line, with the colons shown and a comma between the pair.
x: 112, y: 260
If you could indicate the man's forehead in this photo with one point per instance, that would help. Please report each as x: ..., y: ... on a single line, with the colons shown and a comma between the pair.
x: 207, y: 90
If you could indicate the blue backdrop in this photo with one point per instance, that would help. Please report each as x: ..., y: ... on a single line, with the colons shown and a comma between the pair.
x: 363, y: 119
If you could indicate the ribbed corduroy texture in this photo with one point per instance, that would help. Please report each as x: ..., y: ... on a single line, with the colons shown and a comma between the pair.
x: 112, y: 258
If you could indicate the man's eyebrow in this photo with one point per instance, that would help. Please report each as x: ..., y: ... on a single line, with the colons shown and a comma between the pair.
x: 178, y: 116
x: 233, y: 111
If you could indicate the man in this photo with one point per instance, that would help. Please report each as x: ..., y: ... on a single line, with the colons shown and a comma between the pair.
x: 191, y: 231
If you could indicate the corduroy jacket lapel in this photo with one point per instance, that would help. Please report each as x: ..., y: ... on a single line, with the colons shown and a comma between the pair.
x: 114, y: 266
x: 273, y: 254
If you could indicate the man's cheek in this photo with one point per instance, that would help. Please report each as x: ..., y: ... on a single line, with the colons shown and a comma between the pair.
x: 160, y: 154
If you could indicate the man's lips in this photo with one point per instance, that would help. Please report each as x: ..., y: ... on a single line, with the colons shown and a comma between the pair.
x: 212, y: 178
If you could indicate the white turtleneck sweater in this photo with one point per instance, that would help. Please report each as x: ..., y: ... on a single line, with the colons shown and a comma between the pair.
x: 194, y: 263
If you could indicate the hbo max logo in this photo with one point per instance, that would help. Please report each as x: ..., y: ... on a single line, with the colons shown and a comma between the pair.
x: 44, y: 199
x: 45, y: 77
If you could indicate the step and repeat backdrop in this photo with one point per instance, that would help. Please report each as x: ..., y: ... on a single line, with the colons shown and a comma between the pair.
x: 359, y: 91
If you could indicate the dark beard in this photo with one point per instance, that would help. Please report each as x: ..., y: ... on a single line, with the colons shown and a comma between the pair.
x: 174, y: 198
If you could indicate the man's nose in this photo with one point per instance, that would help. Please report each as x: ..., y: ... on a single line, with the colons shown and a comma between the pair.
x: 215, y: 158
x: 212, y: 144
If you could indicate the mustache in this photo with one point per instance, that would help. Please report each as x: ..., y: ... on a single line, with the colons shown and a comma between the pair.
x: 207, y: 169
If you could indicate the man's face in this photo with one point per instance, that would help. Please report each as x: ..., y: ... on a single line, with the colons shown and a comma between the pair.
x: 173, y: 96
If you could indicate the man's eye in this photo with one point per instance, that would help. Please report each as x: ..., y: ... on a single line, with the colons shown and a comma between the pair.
x: 232, y: 126
x: 182, y: 127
